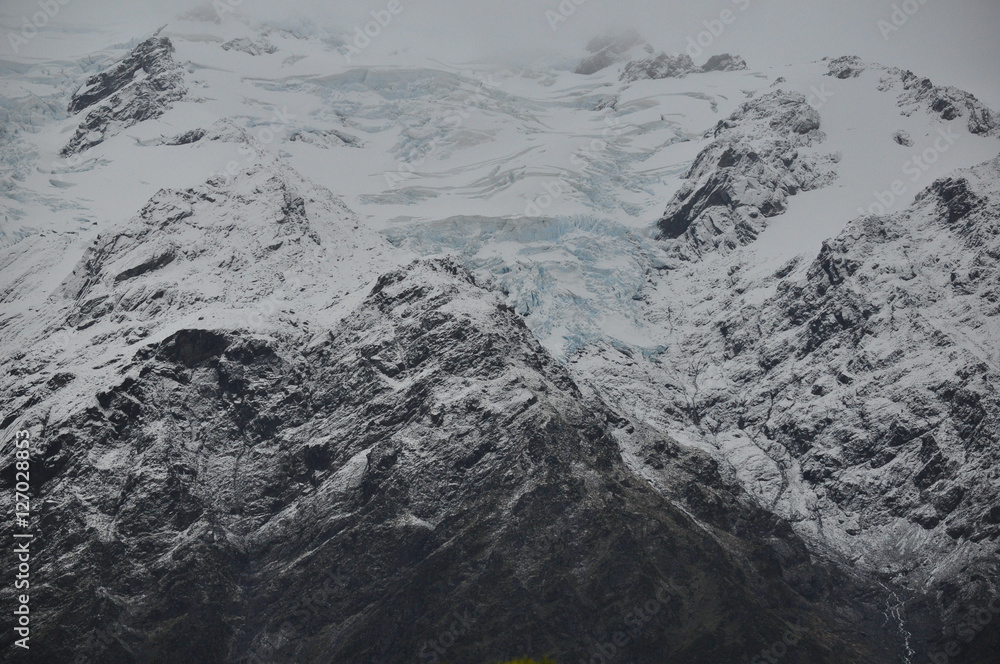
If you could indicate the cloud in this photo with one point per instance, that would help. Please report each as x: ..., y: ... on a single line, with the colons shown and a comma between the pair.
x: 951, y: 42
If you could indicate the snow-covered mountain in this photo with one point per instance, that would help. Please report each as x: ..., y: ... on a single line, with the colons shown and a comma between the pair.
x: 452, y: 362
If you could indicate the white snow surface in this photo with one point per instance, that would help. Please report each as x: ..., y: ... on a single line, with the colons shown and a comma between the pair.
x: 546, y: 180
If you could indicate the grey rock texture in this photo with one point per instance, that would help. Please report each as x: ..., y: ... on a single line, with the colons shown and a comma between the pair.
x: 678, y: 66
x: 258, y: 46
x: 725, y: 62
x: 325, y: 139
x: 949, y: 103
x: 422, y: 468
x: 859, y: 401
x: 901, y: 311
x: 761, y: 155
x: 186, y: 137
x: 916, y: 93
x: 662, y: 66
x: 903, y: 138
x: 139, y: 87
x: 848, y: 66
x: 263, y: 433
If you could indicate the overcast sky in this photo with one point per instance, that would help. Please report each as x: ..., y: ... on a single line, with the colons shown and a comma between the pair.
x: 952, y: 41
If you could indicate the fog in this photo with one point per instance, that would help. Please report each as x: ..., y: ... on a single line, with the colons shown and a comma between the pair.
x: 952, y: 42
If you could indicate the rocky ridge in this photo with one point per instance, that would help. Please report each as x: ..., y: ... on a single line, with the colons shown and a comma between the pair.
x: 678, y: 66
x: 858, y: 401
x: 139, y: 87
x: 760, y: 155
x: 918, y: 93
x: 427, y: 458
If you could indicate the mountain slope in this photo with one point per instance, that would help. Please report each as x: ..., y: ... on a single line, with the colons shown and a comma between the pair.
x: 417, y: 454
x: 763, y: 420
x: 858, y: 400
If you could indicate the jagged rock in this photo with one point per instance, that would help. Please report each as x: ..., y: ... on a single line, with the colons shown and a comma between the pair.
x: 151, y: 57
x: 724, y: 62
x: 662, y: 66
x: 870, y: 379
x: 760, y: 157
x: 855, y: 397
x: 325, y: 138
x: 259, y: 46
x: 916, y: 93
x: 344, y: 496
x: 954, y: 198
x: 187, y: 137
x: 848, y: 66
x: 678, y: 66
x: 947, y: 102
x: 231, y: 241
x: 258, y: 438
x: 903, y: 138
x: 141, y: 86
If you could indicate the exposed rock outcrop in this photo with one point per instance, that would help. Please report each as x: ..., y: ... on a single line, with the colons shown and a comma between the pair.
x: 678, y: 66
x: 348, y: 495
x: 662, y: 66
x: 859, y: 400
x: 917, y: 93
x: 258, y: 46
x: 725, y: 62
x: 141, y: 86
x: 761, y: 155
x: 948, y: 102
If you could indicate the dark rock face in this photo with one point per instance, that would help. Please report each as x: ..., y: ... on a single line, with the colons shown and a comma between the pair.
x: 186, y: 138
x: 917, y: 442
x: 916, y: 93
x: 215, y: 243
x: 422, y: 478
x: 151, y: 56
x: 903, y: 138
x: 420, y: 481
x: 140, y: 87
x: 954, y: 198
x: 758, y: 159
x: 259, y: 46
x: 947, y: 102
x: 875, y: 373
x: 325, y: 138
x: 725, y: 62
